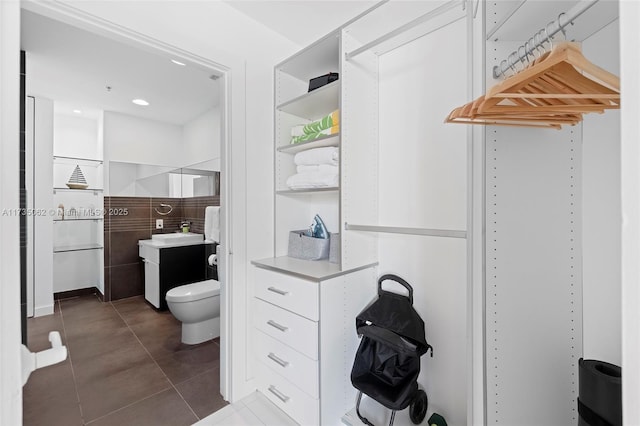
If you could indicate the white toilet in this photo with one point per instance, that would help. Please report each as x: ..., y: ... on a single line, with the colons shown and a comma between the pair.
x: 197, y: 306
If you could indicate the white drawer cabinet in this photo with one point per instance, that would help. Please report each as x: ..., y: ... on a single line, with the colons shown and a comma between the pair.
x: 289, y: 363
x: 291, y: 293
x: 305, y: 338
x: 293, y: 330
x: 298, y: 405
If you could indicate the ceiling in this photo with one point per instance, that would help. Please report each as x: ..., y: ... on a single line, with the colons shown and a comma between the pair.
x: 302, y: 21
x: 83, y: 71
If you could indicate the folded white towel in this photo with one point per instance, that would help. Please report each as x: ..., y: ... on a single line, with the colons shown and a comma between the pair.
x: 313, y: 180
x: 324, y: 168
x: 212, y: 223
x: 315, y: 156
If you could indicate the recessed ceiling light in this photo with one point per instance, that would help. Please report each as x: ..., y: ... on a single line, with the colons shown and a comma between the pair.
x: 77, y: 111
x: 182, y: 64
x: 140, y: 102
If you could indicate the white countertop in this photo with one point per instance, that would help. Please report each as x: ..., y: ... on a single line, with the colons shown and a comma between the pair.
x: 163, y: 244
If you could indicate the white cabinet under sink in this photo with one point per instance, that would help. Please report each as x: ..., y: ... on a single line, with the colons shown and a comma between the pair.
x: 152, y: 282
x: 171, y: 260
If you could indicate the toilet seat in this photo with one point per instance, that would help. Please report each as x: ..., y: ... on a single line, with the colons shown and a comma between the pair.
x: 194, y: 291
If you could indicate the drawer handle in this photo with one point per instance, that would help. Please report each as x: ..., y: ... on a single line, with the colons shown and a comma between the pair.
x: 277, y: 359
x: 274, y: 324
x: 282, y: 397
x: 278, y: 291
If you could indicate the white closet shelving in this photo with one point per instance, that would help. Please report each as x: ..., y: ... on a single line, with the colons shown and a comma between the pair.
x: 552, y: 292
x: 371, y: 99
x: 315, y: 104
x: 308, y: 376
x: 78, y: 225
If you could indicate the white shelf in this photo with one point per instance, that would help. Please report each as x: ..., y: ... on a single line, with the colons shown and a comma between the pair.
x: 94, y: 190
x: 330, y: 140
x: 315, y: 104
x: 78, y: 247
x: 77, y: 160
x: 317, y: 59
x: 306, y: 191
x: 315, y: 270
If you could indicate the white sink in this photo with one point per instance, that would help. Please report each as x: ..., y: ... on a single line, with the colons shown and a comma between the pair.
x: 177, y: 238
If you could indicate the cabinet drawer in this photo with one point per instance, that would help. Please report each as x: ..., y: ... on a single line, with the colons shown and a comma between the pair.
x: 289, y: 363
x: 149, y: 253
x: 297, y: 404
x: 299, y: 333
x: 294, y: 294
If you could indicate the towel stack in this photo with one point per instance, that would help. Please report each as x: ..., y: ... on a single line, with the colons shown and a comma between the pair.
x: 327, y: 125
x: 316, y: 168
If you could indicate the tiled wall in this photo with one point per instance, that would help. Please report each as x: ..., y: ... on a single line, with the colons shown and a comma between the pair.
x: 129, y: 219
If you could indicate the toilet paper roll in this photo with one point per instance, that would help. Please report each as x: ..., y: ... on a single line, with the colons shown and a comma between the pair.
x: 600, y: 393
x: 213, y: 260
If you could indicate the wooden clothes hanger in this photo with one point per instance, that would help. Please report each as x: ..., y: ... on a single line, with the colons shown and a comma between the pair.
x: 549, y: 92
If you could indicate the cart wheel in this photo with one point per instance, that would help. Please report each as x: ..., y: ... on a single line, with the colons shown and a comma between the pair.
x: 418, y: 407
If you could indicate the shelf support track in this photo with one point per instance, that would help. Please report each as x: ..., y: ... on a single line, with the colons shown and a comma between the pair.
x: 447, y: 233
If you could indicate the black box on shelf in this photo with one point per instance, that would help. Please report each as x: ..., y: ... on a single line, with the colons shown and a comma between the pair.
x: 322, y: 80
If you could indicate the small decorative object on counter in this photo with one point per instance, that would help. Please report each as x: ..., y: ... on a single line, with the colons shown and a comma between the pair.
x: 185, y: 226
x: 77, y: 180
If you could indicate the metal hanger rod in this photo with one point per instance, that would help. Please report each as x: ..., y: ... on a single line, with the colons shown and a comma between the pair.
x: 555, y: 27
x: 411, y: 231
x: 419, y: 20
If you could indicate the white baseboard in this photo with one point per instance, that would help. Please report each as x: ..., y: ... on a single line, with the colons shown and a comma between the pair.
x: 40, y: 311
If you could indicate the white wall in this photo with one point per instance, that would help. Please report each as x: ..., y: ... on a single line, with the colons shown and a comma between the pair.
x: 140, y: 150
x: 76, y: 137
x: 201, y: 138
x: 422, y: 181
x: 137, y: 140
x: 122, y: 178
x: 630, y: 155
x: 43, y: 226
x: 129, y: 139
x: 602, y: 215
x: 10, y: 363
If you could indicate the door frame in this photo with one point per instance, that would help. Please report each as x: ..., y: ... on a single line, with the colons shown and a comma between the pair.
x: 232, y: 71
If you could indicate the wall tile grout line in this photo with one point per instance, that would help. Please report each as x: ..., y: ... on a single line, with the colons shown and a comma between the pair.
x: 73, y: 373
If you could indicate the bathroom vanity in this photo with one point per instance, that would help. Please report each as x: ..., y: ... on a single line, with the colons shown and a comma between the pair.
x: 171, y: 260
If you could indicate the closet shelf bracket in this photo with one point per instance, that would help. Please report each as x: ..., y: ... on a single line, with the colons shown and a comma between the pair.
x: 447, y: 233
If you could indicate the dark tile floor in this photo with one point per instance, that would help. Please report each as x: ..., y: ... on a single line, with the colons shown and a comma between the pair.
x: 126, y: 366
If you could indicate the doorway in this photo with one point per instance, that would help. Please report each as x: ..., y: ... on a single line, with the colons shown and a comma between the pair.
x: 221, y: 73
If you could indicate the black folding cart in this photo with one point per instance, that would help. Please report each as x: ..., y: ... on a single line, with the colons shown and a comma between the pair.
x: 387, y: 362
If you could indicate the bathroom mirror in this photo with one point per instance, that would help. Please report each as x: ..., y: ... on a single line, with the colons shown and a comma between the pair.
x: 147, y: 180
